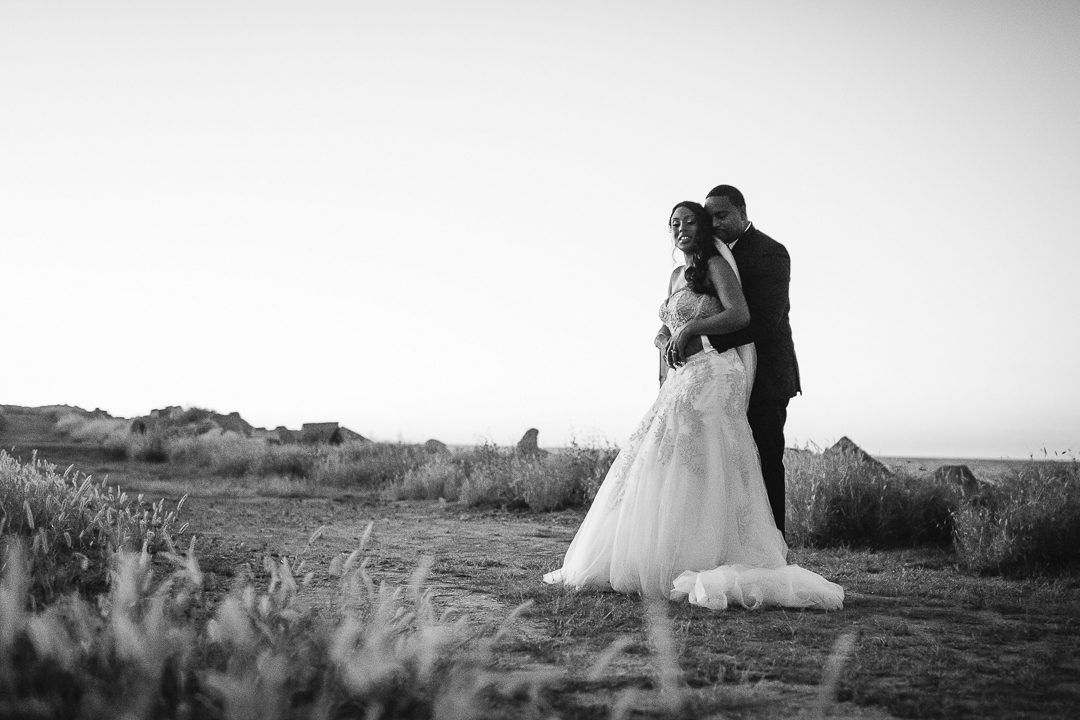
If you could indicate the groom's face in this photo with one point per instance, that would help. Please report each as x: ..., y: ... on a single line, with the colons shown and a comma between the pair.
x: 728, y: 221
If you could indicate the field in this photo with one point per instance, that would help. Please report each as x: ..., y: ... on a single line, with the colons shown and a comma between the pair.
x: 919, y: 636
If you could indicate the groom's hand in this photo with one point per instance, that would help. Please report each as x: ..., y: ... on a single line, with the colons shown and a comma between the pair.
x: 692, y: 347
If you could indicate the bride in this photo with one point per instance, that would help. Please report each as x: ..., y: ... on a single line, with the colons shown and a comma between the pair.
x: 683, y: 512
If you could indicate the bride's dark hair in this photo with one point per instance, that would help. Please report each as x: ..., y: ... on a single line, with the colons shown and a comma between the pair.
x: 703, y: 248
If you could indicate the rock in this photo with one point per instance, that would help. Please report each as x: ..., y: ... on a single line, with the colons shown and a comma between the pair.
x: 960, y: 475
x: 527, y: 444
x: 436, y: 447
x: 233, y: 423
x: 847, y: 448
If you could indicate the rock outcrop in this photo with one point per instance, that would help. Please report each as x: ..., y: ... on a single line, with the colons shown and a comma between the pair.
x: 961, y: 476
x: 527, y: 444
x: 436, y: 447
x: 847, y: 448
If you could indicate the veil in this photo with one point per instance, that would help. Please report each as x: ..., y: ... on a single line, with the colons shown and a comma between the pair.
x: 747, y: 352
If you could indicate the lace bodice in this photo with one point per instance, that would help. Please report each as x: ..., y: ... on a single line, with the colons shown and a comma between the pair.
x: 685, y: 305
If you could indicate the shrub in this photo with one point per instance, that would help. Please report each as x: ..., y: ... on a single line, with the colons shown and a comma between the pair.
x: 487, y: 475
x: 152, y: 446
x: 541, y: 482
x: 489, y: 479
x: 4, y: 422
x: 228, y: 454
x: 138, y: 652
x: 590, y: 463
x: 549, y: 483
x: 837, y: 500
x: 208, y: 450
x: 98, y: 430
x: 73, y: 524
x: 440, y: 477
x: 367, y: 464
x: 1027, y: 524
x: 193, y: 416
x: 292, y: 461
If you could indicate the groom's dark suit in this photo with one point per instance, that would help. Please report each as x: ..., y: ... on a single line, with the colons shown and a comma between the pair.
x: 765, y: 270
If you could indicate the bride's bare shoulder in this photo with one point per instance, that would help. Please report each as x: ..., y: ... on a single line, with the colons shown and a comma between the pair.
x: 673, y: 281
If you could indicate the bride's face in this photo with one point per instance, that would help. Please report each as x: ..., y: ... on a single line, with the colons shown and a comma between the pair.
x: 684, y: 229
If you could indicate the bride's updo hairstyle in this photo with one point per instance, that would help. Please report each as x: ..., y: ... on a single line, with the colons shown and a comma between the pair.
x: 697, y: 269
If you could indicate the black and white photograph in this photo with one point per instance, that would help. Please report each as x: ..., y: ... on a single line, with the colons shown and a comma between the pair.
x: 577, y: 359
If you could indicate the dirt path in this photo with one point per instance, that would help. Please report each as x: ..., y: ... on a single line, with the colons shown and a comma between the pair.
x: 405, y: 534
x: 473, y: 556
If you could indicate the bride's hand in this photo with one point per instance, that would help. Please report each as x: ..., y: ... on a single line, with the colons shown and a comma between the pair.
x: 684, y: 343
x: 670, y: 353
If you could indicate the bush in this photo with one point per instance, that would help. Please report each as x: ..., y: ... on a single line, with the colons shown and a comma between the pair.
x: 72, y: 524
x: 488, y: 475
x: 440, y: 477
x: 210, y: 449
x: 540, y: 482
x: 152, y: 446
x: 1028, y: 524
x: 228, y: 454
x: 98, y: 430
x: 590, y: 463
x: 549, y: 483
x: 138, y: 652
x: 367, y: 464
x: 291, y: 461
x: 193, y: 416
x: 489, y: 478
x: 837, y: 500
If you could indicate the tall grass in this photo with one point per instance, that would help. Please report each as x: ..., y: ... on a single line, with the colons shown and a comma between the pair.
x: 139, y: 653
x: 192, y: 441
x: 835, y: 499
x: 488, y: 475
x: 367, y: 464
x: 351, y: 465
x: 91, y: 429
x: 72, y: 524
x: 1026, y: 524
x: 1029, y: 523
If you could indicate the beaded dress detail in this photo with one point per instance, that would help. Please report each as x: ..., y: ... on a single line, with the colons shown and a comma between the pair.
x: 683, y: 512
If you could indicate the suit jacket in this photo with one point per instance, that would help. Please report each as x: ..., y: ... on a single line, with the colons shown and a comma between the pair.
x: 765, y: 269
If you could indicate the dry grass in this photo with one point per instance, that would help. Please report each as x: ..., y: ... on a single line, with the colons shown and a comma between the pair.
x: 141, y: 651
x: 72, y: 524
x: 1028, y: 524
x: 835, y: 500
x: 922, y: 639
x: 1024, y: 524
x: 490, y: 476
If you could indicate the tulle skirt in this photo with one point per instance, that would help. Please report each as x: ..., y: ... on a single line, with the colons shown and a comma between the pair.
x: 683, y: 512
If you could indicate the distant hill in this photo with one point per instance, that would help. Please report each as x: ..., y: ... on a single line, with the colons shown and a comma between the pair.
x: 193, y: 420
x: 51, y: 424
x: 37, y: 425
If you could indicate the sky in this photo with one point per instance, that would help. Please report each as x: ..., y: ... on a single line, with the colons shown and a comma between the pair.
x: 449, y: 219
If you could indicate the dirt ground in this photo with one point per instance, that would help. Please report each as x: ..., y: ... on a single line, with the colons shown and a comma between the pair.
x: 467, y: 551
x: 483, y: 563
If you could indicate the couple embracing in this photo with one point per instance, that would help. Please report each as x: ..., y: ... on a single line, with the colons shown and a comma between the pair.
x: 693, y: 506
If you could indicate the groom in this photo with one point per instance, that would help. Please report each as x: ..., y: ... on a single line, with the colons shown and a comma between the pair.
x: 765, y: 269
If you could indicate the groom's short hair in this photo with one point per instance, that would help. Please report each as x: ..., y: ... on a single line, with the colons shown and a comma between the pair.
x: 731, y: 193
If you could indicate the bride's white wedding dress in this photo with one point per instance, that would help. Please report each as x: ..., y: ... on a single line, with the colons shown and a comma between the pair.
x: 683, y: 512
